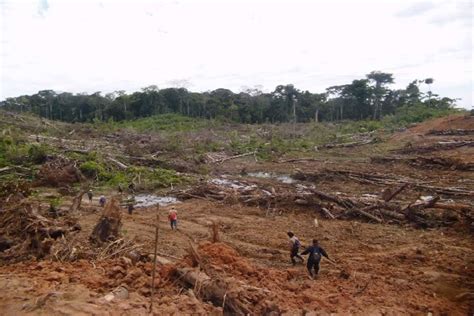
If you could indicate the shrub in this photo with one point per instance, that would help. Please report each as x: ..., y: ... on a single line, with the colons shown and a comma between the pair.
x: 417, y: 113
x: 94, y: 170
x: 37, y: 153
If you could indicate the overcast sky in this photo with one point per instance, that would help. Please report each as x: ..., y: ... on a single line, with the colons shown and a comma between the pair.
x: 89, y: 46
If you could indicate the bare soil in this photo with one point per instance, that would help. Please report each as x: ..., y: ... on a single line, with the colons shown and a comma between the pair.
x: 380, y: 268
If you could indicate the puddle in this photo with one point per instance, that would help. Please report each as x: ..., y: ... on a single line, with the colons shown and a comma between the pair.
x: 146, y: 200
x: 283, y: 178
x: 232, y: 184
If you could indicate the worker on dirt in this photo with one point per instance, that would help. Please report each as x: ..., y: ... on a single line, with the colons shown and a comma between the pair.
x: 120, y: 189
x: 102, y: 201
x: 89, y: 195
x: 131, y: 187
x: 130, y: 208
x: 295, y: 245
x: 315, y: 252
x: 173, y: 218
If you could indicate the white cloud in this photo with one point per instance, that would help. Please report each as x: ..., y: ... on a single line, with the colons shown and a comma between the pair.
x: 110, y: 45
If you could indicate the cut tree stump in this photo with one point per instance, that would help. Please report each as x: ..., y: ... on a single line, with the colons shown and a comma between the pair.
x: 108, y: 226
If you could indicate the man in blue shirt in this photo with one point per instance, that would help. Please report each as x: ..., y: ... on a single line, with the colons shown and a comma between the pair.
x: 315, y: 252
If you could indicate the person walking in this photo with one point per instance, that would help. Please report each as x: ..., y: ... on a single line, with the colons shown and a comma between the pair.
x: 295, y: 245
x: 102, y: 201
x: 89, y: 195
x: 130, y: 208
x: 315, y: 252
x: 173, y: 218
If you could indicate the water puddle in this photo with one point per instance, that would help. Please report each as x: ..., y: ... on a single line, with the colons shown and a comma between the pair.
x: 283, y: 178
x: 234, y: 184
x: 146, y: 200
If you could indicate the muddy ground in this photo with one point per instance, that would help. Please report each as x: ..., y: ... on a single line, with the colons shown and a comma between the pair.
x: 385, y: 268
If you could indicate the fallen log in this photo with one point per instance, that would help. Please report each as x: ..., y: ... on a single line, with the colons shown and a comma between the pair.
x: 428, y: 162
x: 301, y: 159
x: 392, y: 214
x: 451, y: 132
x: 435, y: 147
x: 324, y: 196
x: 217, y: 291
x: 351, y: 144
x: 327, y: 213
x: 234, y: 157
x: 118, y: 163
x: 381, y: 179
x: 5, y: 169
x: 454, y: 206
x: 390, y: 195
x: 364, y: 212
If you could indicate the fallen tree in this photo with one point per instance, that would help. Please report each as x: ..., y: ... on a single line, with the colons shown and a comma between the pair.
x: 435, y: 147
x: 428, y: 162
x: 380, y: 179
x: 379, y: 209
x: 451, y: 132
x: 212, y: 285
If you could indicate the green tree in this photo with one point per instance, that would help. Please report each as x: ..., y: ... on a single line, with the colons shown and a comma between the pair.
x: 380, y: 79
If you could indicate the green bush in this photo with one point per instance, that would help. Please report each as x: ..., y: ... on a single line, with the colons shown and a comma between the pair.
x: 162, y: 178
x: 38, y: 153
x: 418, y: 113
x: 94, y: 170
x: 17, y: 154
x: 119, y: 178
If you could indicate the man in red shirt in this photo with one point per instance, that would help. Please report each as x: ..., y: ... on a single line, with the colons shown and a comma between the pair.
x: 173, y: 218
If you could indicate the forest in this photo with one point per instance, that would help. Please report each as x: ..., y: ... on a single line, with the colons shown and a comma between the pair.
x: 366, y: 98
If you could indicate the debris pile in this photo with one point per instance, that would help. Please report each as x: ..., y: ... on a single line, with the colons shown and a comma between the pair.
x: 428, y: 162
x: 356, y: 140
x: 451, y: 132
x: 446, y: 145
x: 431, y: 212
x: 58, y: 172
x: 376, y: 178
x: 27, y: 234
x: 214, y: 278
x: 14, y: 191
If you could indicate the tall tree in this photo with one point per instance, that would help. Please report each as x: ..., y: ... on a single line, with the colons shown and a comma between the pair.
x: 429, y: 82
x: 380, y: 79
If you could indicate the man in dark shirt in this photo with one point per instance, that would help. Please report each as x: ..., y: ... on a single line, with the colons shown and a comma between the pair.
x: 315, y: 252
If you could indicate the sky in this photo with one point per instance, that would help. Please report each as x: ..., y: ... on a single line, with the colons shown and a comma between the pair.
x: 108, y: 45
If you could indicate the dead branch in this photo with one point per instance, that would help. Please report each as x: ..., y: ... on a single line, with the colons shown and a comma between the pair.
x: 118, y: 163
x: 393, y: 194
x: 234, y: 157
x: 76, y: 202
x: 327, y: 213
x: 351, y: 144
x: 365, y: 213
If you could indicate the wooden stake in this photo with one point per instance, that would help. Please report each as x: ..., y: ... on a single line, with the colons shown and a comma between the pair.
x: 154, y: 262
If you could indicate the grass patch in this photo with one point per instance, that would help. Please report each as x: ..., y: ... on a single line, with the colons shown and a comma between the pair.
x: 158, y: 123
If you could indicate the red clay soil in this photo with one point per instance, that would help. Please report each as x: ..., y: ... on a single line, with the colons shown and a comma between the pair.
x: 365, y: 291
x: 458, y: 121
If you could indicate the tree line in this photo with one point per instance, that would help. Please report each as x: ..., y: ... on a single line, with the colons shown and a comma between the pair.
x: 366, y: 98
